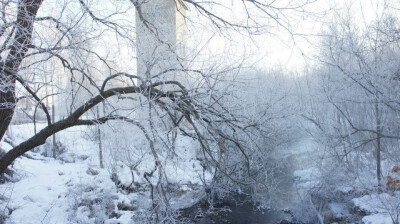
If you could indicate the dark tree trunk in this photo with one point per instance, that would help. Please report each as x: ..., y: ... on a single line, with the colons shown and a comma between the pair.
x: 378, y: 145
x: 72, y: 120
x: 100, y: 148
x: 7, y: 105
x: 100, y: 141
x: 36, y: 140
x: 27, y: 10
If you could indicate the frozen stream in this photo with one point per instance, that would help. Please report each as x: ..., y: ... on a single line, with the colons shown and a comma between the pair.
x: 302, y: 158
x: 298, y: 158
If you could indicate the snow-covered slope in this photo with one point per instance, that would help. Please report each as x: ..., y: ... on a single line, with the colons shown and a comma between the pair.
x: 73, y: 188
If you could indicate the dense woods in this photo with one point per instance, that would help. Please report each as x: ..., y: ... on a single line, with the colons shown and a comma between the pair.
x: 138, y: 110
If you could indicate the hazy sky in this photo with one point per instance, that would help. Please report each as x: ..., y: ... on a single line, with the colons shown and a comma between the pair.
x: 295, y: 52
x: 274, y: 48
x: 279, y: 48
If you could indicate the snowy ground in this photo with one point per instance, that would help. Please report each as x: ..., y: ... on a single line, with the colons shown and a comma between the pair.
x: 74, y: 189
x: 383, y: 208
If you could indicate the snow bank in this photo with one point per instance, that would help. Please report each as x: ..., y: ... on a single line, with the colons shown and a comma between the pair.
x: 307, y: 178
x: 382, y: 207
x: 55, y: 191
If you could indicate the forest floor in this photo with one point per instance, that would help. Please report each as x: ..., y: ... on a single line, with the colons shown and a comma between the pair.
x: 73, y: 188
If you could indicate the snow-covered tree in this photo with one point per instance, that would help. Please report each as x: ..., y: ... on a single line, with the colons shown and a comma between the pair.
x: 93, y: 43
x: 358, y: 76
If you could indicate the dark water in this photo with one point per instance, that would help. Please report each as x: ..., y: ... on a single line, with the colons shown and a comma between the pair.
x: 245, y: 213
x: 230, y: 212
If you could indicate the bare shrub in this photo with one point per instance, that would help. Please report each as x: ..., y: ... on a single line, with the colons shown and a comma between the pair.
x: 90, y: 204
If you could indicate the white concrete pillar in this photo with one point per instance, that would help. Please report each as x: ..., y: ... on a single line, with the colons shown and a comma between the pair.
x: 160, y: 30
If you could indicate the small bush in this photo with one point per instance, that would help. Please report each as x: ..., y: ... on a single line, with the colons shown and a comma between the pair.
x: 90, y: 204
x: 48, y: 149
x: 304, y: 212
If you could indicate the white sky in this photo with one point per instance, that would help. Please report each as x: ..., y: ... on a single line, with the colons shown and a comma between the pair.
x: 276, y: 50
x: 293, y: 53
x: 296, y: 56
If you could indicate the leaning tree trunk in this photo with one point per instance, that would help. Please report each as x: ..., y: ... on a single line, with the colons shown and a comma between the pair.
x: 7, y: 105
x: 27, y: 10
